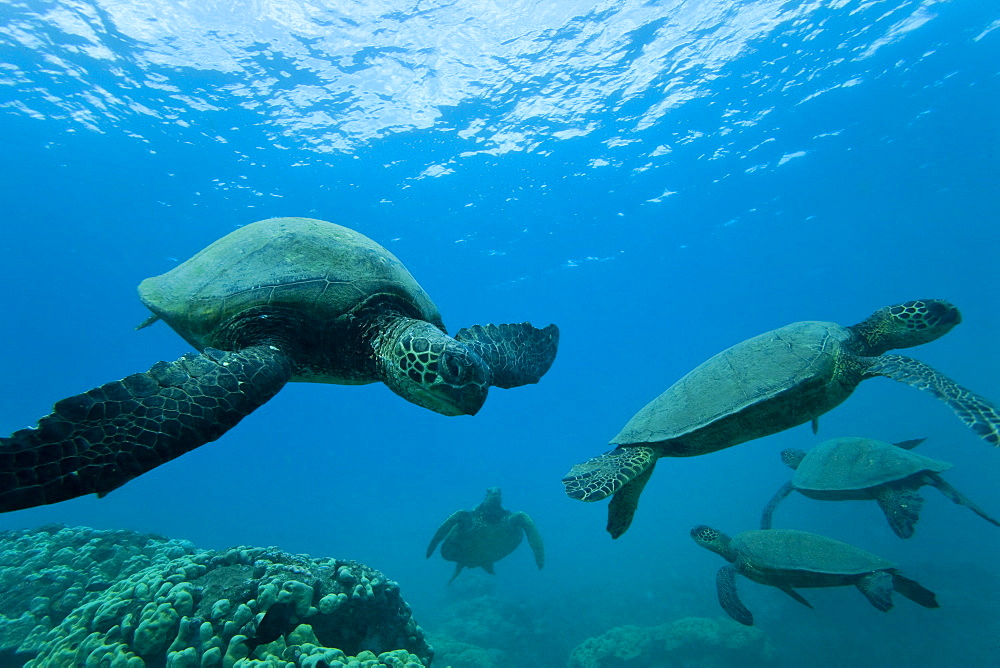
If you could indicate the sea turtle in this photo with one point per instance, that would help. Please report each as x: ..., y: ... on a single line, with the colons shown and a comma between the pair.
x: 485, y: 535
x: 843, y: 469
x: 769, y: 383
x: 785, y: 558
x: 283, y: 299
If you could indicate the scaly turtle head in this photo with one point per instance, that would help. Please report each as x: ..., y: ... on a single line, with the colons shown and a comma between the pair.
x: 908, y: 324
x: 491, y: 507
x: 427, y: 367
x: 792, y: 457
x: 714, y: 540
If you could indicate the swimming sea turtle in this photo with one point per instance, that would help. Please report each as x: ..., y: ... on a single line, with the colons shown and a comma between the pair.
x: 785, y: 558
x: 769, y: 383
x: 485, y: 535
x: 843, y: 469
x: 284, y: 299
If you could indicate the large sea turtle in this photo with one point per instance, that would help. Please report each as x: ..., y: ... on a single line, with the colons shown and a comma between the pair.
x: 485, y: 535
x: 769, y: 383
x: 852, y: 468
x: 785, y: 558
x: 284, y: 299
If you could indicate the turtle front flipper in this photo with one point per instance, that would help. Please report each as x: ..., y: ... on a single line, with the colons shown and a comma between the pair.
x: 729, y: 598
x: 625, y: 502
x: 768, y: 514
x: 902, y: 509
x: 877, y: 588
x: 975, y: 411
x: 524, y: 521
x: 516, y: 354
x: 605, y: 474
x: 101, y: 439
x: 446, y: 527
x: 957, y: 497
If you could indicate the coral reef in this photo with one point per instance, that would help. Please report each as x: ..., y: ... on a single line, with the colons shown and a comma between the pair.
x: 692, y: 641
x: 451, y: 653
x: 119, y: 599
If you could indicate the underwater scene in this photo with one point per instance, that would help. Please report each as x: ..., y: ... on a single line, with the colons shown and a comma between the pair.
x: 500, y: 334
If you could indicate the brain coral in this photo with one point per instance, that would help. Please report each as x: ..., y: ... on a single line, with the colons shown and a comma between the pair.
x: 120, y: 599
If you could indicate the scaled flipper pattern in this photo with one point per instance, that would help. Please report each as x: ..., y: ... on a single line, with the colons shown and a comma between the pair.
x: 729, y: 598
x: 516, y: 354
x: 625, y: 502
x: 975, y: 411
x: 877, y: 588
x: 101, y: 439
x: 902, y: 509
x: 601, y: 476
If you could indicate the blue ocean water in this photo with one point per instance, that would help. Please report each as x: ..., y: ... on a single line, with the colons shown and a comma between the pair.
x: 660, y: 179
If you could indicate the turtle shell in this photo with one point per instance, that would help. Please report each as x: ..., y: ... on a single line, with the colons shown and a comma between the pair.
x: 760, y: 386
x: 314, y: 266
x: 791, y: 550
x: 859, y: 463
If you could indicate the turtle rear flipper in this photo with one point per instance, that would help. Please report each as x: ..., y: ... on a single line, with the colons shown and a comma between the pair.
x: 957, y: 497
x: 877, y: 588
x: 768, y: 514
x: 796, y: 595
x: 901, y: 508
x: 975, y: 411
x: 625, y: 501
x: 516, y: 354
x: 729, y: 598
x: 914, y: 591
x: 603, y: 475
x: 97, y: 441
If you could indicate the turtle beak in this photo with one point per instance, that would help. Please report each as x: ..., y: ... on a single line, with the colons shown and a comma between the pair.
x: 468, y: 399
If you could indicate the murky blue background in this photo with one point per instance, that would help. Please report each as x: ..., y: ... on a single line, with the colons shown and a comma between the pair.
x: 660, y: 179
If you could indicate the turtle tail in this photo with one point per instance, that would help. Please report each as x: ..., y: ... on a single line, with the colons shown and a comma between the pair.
x: 602, y: 476
x: 97, y: 441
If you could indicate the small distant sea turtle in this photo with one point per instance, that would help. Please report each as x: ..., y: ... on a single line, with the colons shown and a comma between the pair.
x: 843, y: 469
x: 774, y: 381
x: 785, y: 558
x: 485, y: 535
x: 284, y: 299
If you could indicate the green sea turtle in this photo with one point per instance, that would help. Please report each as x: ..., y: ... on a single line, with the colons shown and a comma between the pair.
x: 851, y: 468
x: 769, y: 383
x: 284, y: 299
x: 485, y: 535
x: 785, y: 558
